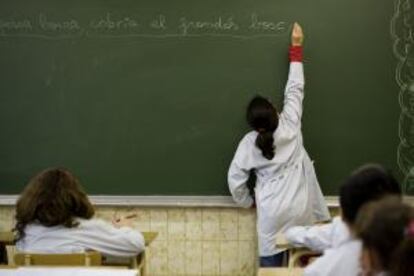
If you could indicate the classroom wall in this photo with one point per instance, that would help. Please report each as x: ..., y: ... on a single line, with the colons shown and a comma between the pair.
x: 191, y: 241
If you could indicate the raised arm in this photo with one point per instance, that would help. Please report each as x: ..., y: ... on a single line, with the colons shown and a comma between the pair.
x: 292, y: 107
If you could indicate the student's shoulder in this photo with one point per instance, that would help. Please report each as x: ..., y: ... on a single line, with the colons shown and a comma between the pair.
x: 249, y: 138
x: 341, y: 231
x: 36, y: 228
x: 92, y: 223
x: 352, y: 247
x: 247, y: 142
x: 337, y: 222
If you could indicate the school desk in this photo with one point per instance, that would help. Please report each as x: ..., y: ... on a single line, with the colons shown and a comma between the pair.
x: 280, y: 271
x: 66, y: 271
x: 294, y: 253
x: 7, y: 238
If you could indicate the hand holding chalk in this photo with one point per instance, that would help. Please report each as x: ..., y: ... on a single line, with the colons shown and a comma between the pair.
x: 297, y: 35
x: 124, y: 221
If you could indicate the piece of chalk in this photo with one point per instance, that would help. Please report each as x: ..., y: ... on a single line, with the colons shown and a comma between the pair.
x: 127, y: 217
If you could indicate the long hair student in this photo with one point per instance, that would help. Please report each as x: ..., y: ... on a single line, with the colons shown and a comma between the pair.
x: 287, y: 192
x: 54, y: 215
x: 53, y: 197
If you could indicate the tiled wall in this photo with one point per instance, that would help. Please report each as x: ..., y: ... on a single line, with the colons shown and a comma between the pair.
x: 191, y: 241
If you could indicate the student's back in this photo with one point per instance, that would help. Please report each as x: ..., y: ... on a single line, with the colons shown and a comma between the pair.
x: 54, y: 215
x: 339, y: 261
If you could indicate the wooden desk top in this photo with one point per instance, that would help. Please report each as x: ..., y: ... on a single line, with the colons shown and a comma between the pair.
x: 86, y: 267
x: 283, y: 271
x: 149, y: 237
x: 7, y: 237
x: 282, y: 242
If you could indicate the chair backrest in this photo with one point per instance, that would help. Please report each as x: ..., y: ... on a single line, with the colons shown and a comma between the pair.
x: 7, y: 237
x: 6, y: 240
x: 91, y: 258
x: 135, y: 262
x: 11, y: 251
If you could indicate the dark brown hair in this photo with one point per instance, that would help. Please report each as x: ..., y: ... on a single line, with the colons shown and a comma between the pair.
x: 262, y: 117
x: 53, y: 197
x: 383, y: 228
x: 367, y: 183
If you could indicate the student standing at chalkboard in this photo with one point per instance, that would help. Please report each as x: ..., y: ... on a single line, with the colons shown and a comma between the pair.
x: 287, y: 192
x: 54, y: 215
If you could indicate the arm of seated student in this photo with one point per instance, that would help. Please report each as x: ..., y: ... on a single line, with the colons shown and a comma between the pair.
x: 119, y: 240
x: 317, y: 238
x: 292, y: 107
x: 237, y: 178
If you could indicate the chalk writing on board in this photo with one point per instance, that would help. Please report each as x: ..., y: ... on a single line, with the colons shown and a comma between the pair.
x: 69, y: 25
x: 257, y: 24
x: 220, y: 24
x: 160, y: 22
x: 15, y: 25
x: 402, y: 25
x: 107, y: 25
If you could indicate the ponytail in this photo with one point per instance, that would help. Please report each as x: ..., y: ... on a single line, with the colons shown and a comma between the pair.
x: 262, y: 117
x: 264, y: 142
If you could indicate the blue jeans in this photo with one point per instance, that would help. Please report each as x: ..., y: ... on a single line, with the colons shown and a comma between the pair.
x: 272, y: 261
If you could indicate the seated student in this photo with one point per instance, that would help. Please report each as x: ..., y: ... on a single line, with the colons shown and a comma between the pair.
x: 330, y: 235
x: 54, y: 215
x: 341, y: 249
x: 386, y: 229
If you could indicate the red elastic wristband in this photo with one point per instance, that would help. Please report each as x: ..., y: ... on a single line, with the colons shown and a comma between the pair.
x: 296, y: 53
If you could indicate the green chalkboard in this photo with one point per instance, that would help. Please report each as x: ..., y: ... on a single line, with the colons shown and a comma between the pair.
x: 148, y: 97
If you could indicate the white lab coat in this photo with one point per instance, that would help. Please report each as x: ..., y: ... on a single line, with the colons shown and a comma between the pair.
x: 287, y: 191
x: 341, y: 251
x: 93, y: 234
x: 343, y: 260
x: 319, y: 237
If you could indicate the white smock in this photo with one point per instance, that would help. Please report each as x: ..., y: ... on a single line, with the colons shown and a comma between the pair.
x: 343, y: 260
x: 287, y: 191
x: 341, y: 251
x: 319, y: 238
x: 92, y: 234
